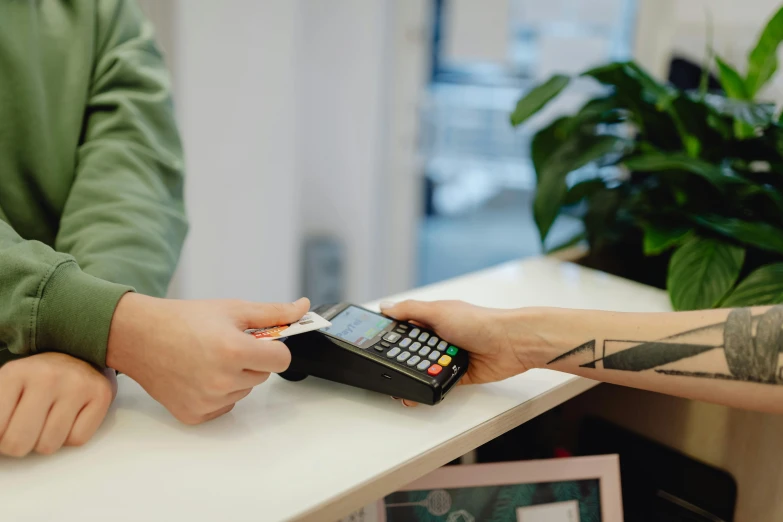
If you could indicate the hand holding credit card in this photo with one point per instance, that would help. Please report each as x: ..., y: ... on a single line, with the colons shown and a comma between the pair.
x: 309, y: 322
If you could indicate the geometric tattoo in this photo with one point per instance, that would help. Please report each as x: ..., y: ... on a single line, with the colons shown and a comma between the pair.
x: 752, y: 346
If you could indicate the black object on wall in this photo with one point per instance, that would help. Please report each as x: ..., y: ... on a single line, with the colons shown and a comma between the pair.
x: 686, y: 75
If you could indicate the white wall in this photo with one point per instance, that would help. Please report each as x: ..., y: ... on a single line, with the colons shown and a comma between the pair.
x: 362, y: 67
x: 299, y: 117
x: 235, y: 80
x: 340, y: 129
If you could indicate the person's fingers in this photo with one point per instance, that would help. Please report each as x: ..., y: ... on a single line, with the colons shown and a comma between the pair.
x: 260, y: 356
x: 262, y: 315
x: 218, y: 413
x: 57, y: 426
x: 409, y: 404
x: 10, y: 393
x: 429, y: 313
x: 251, y: 378
x: 26, y: 423
x: 87, y: 422
x: 235, y: 397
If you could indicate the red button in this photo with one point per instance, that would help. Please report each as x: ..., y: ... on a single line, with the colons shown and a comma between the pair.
x: 434, y: 369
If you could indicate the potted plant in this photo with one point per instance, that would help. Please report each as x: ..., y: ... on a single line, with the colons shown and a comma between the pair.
x: 686, y: 189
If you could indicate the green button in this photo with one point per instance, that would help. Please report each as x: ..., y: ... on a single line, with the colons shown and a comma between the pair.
x: 452, y: 350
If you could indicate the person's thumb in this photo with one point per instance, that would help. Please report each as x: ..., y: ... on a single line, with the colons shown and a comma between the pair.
x: 428, y: 313
x: 262, y: 315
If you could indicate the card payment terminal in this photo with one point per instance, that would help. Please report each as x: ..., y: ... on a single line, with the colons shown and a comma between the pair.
x: 371, y: 351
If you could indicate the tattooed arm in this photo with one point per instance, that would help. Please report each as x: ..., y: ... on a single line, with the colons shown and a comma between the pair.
x: 731, y: 357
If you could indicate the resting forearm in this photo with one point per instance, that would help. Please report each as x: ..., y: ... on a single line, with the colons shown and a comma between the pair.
x: 48, y: 304
x: 729, y: 357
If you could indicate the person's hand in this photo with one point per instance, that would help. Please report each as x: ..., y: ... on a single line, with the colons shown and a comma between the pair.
x: 492, y: 336
x: 49, y: 400
x: 193, y: 356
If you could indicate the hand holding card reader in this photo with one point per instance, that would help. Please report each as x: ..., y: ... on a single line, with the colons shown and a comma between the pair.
x: 373, y: 352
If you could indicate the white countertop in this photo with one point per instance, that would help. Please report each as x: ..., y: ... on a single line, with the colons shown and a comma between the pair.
x: 310, y: 450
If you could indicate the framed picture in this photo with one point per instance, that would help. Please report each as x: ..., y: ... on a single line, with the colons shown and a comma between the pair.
x: 577, y: 489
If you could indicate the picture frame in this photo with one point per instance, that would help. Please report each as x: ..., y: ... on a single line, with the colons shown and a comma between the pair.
x: 522, y: 491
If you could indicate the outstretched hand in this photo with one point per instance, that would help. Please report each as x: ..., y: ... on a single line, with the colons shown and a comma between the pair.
x: 488, y: 334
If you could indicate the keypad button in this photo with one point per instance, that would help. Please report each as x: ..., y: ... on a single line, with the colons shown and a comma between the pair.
x: 424, y: 336
x: 434, y: 369
x: 433, y: 341
x: 394, y: 351
x: 405, y: 343
x: 452, y: 350
x: 445, y: 360
x: 413, y: 360
x: 392, y: 337
x: 400, y: 331
x: 384, y: 343
x: 434, y: 355
x: 415, y: 333
x: 442, y: 345
x: 424, y: 351
x: 403, y: 356
x: 379, y: 347
x: 415, y: 348
x: 402, y: 326
x: 423, y: 365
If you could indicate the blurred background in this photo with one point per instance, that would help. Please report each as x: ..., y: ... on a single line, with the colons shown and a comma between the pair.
x: 351, y: 149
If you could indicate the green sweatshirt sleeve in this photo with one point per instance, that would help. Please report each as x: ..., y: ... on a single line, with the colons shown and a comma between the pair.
x: 48, y: 304
x: 124, y: 220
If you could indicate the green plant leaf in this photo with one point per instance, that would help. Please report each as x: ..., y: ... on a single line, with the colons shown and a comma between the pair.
x: 582, y: 190
x: 764, y: 286
x: 758, y: 234
x: 546, y: 142
x: 763, y: 59
x: 658, y: 162
x: 647, y: 102
x: 751, y: 194
x: 701, y: 273
x: 549, y: 197
x: 752, y: 113
x: 538, y: 97
x: 637, y: 89
x: 599, y: 110
x: 633, y: 84
x: 731, y: 81
x: 743, y: 131
x: 701, y: 120
x: 659, y: 240
x: 574, y: 153
x: 578, y: 238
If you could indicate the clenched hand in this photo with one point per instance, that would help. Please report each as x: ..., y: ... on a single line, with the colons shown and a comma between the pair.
x: 193, y: 356
x: 49, y: 400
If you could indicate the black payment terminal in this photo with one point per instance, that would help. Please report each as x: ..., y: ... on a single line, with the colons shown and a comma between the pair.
x: 373, y: 352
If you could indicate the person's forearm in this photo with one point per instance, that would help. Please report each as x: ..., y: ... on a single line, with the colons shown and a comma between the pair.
x: 48, y: 304
x: 730, y: 357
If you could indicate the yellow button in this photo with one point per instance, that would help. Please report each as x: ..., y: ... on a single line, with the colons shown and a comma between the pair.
x: 444, y: 360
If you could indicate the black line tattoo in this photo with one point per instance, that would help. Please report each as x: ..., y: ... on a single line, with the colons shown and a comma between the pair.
x: 751, y: 344
x: 589, y: 345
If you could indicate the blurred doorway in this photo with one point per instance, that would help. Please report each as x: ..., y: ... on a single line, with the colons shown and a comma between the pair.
x: 477, y: 170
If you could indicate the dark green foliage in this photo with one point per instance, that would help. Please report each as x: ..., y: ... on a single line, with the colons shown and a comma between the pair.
x: 694, y: 177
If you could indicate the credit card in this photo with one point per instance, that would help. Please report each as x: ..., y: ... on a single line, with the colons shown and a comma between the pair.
x: 311, y: 321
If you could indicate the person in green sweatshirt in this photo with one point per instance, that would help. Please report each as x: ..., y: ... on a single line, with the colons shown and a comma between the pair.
x: 92, y: 221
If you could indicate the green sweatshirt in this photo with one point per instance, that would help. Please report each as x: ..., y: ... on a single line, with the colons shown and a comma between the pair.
x: 91, y: 172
